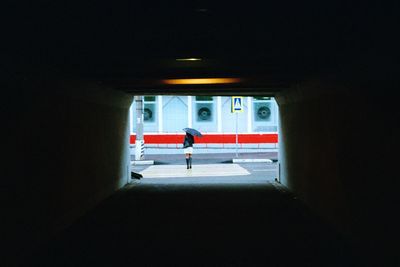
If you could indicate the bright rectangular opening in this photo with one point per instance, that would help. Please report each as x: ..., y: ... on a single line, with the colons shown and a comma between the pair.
x: 239, y: 142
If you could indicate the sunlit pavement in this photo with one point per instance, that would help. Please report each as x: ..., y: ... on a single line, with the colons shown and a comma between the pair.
x: 207, y: 158
x: 205, y: 150
x: 209, y: 173
x: 165, y: 171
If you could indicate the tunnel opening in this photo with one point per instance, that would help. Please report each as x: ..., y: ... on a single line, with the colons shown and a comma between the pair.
x: 337, y: 68
x: 206, y: 223
x: 238, y: 142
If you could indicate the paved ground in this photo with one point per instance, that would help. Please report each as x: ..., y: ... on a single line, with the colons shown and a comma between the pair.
x: 176, y: 223
x: 219, y: 172
x: 207, y: 158
x: 174, y: 218
x: 215, y: 166
x: 203, y: 170
x: 205, y: 150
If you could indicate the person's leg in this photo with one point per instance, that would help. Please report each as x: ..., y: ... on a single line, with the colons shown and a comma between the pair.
x: 187, y: 160
x: 190, y: 161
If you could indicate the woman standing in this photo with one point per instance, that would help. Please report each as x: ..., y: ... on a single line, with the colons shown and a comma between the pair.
x: 188, y: 149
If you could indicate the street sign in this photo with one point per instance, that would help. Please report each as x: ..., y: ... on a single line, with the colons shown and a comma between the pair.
x: 236, y: 104
x: 236, y: 107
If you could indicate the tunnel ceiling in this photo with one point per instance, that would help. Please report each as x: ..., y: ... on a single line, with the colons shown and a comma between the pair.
x: 126, y: 43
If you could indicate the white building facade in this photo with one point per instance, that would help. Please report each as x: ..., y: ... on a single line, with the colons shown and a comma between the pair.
x: 208, y: 114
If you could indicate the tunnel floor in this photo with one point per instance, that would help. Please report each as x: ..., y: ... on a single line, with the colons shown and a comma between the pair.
x: 180, y: 224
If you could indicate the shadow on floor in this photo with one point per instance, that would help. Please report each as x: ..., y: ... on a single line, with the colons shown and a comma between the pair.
x: 198, y: 225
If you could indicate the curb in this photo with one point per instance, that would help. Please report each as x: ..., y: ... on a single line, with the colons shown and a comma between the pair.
x: 251, y: 160
x: 142, y: 162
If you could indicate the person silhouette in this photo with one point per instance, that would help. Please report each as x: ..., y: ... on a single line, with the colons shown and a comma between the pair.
x: 188, y: 149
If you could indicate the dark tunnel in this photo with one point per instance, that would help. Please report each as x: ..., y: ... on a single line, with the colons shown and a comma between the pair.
x: 69, y: 75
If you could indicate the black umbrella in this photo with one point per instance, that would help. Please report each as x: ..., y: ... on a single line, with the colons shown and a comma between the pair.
x: 193, y: 132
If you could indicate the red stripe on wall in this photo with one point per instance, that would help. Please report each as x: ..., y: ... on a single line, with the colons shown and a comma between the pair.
x: 210, y: 138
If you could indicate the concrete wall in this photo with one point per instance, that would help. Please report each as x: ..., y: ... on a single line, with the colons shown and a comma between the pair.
x: 339, y: 153
x: 55, y: 169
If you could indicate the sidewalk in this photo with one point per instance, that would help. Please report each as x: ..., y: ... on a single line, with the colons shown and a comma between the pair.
x: 204, y: 150
x: 207, y: 158
x: 208, y: 149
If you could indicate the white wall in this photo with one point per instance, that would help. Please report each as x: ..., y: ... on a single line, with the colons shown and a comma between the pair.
x: 175, y: 116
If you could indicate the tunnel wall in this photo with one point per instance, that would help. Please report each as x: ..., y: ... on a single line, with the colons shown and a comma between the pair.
x: 56, y: 168
x: 339, y: 153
